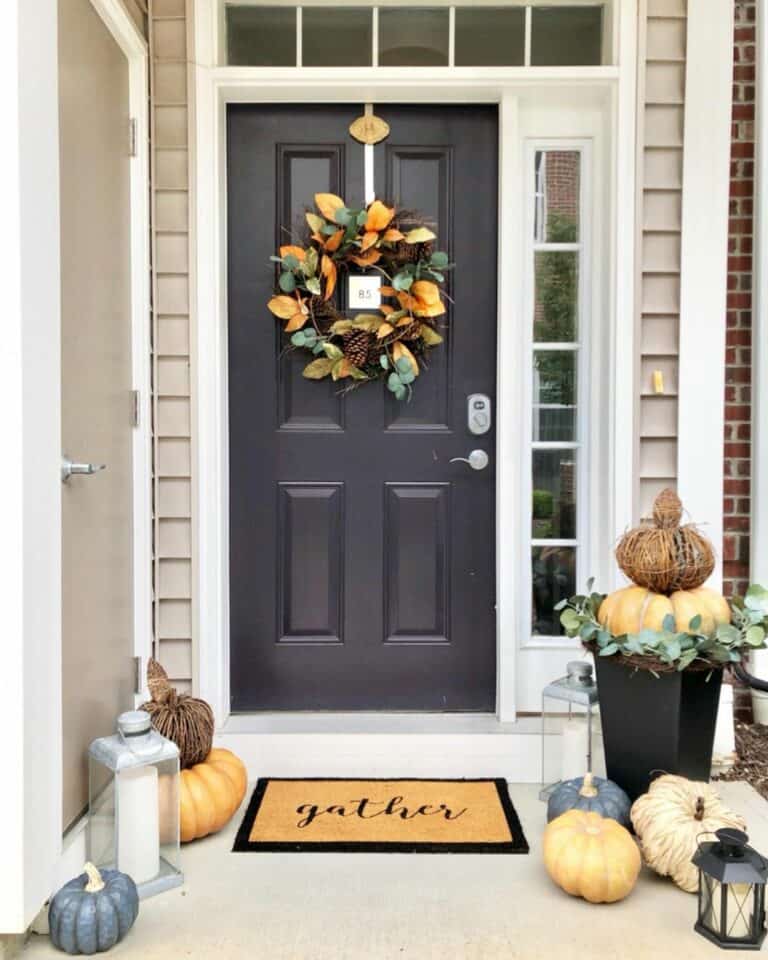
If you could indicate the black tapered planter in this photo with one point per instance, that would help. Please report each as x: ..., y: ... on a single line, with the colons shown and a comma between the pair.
x: 651, y: 724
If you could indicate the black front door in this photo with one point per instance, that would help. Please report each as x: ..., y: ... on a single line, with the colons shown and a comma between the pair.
x: 362, y: 562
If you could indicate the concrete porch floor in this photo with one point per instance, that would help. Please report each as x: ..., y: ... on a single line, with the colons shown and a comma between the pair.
x: 393, y: 906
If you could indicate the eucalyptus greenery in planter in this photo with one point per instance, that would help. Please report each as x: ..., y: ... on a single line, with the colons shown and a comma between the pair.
x: 660, y: 653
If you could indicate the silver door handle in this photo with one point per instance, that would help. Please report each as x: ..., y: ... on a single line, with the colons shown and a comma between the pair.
x: 478, y: 460
x: 69, y: 469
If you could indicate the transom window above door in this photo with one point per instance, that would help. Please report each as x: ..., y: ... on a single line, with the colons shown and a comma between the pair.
x: 533, y: 34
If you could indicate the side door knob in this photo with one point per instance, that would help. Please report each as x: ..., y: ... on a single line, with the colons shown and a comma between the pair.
x: 70, y: 469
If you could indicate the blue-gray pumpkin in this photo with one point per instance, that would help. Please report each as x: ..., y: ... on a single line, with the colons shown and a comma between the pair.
x: 593, y: 794
x: 94, y: 911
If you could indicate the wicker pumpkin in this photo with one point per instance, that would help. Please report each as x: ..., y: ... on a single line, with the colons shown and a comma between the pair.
x: 669, y: 821
x: 180, y: 717
x: 633, y: 609
x: 210, y: 793
x: 591, y: 856
x: 590, y: 793
x: 93, y: 912
x: 665, y: 556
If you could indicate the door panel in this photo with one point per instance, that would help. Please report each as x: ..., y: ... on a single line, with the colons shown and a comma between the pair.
x: 97, y: 597
x: 361, y: 560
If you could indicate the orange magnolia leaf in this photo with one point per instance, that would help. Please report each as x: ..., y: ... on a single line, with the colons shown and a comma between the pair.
x: 333, y: 242
x: 282, y: 306
x: 296, y: 322
x: 386, y: 309
x: 379, y: 216
x: 319, y: 239
x: 400, y: 350
x: 384, y: 330
x: 404, y: 321
x: 298, y: 252
x: 367, y: 259
x: 426, y: 291
x: 388, y: 291
x: 328, y: 204
x: 341, y: 369
x: 393, y: 235
x: 328, y: 269
x: 430, y: 310
x: 369, y: 238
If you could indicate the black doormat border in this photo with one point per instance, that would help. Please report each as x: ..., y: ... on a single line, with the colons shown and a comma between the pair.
x: 244, y: 845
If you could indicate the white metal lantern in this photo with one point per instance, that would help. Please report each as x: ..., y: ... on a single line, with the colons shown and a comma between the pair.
x: 568, y: 709
x: 133, y: 822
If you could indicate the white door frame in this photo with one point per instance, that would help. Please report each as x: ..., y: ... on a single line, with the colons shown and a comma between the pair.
x: 127, y: 36
x: 133, y: 45
x: 215, y: 87
x: 34, y: 858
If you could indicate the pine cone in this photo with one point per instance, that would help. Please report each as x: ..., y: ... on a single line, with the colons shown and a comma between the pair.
x: 356, y: 347
x: 412, y: 252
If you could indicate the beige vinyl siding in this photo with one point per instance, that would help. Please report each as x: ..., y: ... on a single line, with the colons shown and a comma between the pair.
x: 660, y: 164
x: 171, y: 359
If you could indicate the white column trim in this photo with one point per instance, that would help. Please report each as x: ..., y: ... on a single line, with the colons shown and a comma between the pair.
x: 704, y: 264
x: 30, y: 487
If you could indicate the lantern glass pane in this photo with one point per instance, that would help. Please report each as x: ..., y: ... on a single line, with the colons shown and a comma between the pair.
x: 738, y: 911
x: 133, y: 824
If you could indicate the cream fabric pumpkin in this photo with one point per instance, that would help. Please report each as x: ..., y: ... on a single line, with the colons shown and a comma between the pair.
x: 669, y: 821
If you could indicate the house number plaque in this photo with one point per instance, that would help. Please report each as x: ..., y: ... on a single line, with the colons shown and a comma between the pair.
x: 364, y: 293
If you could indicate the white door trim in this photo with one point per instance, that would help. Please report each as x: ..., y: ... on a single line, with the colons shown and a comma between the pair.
x: 127, y: 36
x: 704, y: 264
x: 214, y: 88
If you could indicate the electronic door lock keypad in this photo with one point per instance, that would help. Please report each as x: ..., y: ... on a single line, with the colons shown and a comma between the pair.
x: 478, y: 413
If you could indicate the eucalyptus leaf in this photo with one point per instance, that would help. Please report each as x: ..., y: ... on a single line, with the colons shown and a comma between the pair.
x: 394, y: 382
x: 695, y: 622
x: 668, y: 623
x: 384, y: 361
x: 439, y: 259
x: 299, y: 339
x: 402, y: 281
x: 290, y: 261
x: 755, y: 636
x: 609, y: 650
x: 287, y: 282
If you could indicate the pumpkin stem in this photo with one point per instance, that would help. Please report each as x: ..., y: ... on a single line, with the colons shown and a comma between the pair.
x: 588, y: 788
x: 157, y: 681
x: 95, y: 883
x: 667, y: 510
x: 699, y: 814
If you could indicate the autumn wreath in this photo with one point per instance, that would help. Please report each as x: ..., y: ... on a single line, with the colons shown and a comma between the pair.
x: 390, y: 344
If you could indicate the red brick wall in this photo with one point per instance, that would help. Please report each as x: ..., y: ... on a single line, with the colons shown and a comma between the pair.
x: 736, y: 462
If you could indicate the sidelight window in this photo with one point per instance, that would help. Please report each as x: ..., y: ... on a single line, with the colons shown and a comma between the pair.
x: 535, y: 33
x: 556, y: 330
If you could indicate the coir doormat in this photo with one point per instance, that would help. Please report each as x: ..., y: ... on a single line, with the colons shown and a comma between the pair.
x: 384, y: 816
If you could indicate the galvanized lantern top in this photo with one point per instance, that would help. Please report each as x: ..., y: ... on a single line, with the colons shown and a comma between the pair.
x: 730, y: 860
x: 134, y: 744
x: 577, y: 686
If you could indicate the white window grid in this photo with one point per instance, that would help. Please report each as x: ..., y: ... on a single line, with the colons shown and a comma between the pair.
x: 534, y: 243
x: 528, y: 5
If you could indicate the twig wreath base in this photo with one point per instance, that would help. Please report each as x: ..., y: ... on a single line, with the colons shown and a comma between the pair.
x: 390, y: 344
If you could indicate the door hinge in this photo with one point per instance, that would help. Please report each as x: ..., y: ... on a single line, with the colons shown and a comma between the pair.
x: 138, y: 675
x: 133, y: 144
x: 135, y: 408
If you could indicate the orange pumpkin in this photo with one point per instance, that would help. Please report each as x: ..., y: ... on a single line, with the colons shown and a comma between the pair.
x: 632, y: 609
x: 210, y: 793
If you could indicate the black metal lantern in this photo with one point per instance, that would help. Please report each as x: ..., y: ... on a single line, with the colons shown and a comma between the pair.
x: 732, y: 879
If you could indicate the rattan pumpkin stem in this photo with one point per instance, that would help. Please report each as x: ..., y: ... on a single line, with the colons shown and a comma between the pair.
x: 95, y: 882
